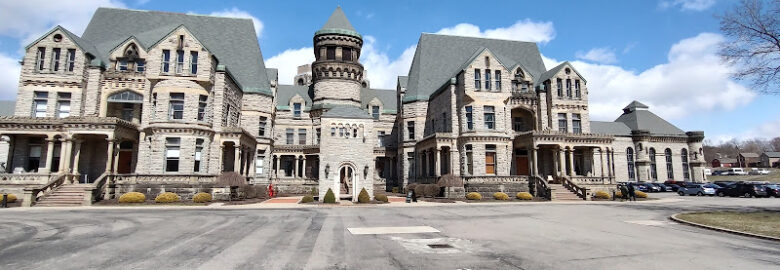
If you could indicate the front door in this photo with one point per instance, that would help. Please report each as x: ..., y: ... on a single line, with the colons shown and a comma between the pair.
x: 125, y: 162
x: 522, y: 165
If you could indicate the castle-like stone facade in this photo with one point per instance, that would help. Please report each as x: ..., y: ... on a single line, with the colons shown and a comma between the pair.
x: 156, y: 99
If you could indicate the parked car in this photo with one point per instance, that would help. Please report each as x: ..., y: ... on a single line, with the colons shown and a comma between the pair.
x: 675, y: 187
x: 696, y: 189
x: 723, y: 183
x: 735, y: 171
x: 744, y: 189
x: 773, y: 190
x: 663, y: 187
x: 714, y: 186
x: 640, y: 187
x: 719, y: 172
x: 757, y: 171
x: 649, y: 187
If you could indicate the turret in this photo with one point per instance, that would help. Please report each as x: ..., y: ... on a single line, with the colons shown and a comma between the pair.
x: 336, y: 72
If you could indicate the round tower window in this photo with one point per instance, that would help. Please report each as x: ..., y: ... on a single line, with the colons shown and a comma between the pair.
x: 567, y: 70
x: 57, y: 38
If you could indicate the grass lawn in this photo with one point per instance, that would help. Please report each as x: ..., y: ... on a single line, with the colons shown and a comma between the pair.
x: 763, y: 223
x: 773, y: 176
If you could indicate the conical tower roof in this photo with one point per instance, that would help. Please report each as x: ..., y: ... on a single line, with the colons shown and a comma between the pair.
x: 338, y: 24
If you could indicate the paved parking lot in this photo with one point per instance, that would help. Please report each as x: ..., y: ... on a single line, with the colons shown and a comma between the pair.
x: 473, y: 236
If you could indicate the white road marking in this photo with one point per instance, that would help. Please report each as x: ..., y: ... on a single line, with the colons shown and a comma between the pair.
x: 649, y: 222
x: 393, y: 230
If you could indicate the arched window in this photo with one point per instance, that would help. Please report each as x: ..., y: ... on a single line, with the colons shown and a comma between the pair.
x: 653, y: 168
x: 630, y: 161
x: 684, y: 158
x: 669, y: 168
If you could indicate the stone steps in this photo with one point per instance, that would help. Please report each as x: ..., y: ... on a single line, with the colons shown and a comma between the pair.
x: 67, y: 195
x: 563, y: 194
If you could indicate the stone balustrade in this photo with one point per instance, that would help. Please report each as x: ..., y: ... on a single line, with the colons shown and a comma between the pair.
x: 164, y: 179
x: 495, y: 179
x: 590, y: 180
x: 24, y: 178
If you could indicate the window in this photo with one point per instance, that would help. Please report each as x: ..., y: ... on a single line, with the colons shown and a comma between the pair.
x: 260, y: 162
x: 176, y: 110
x: 346, y: 54
x: 559, y: 84
x: 490, y: 159
x: 166, y: 61
x: 202, y: 103
x: 410, y: 161
x: 34, y: 158
x: 40, y: 103
x: 63, y: 105
x: 375, y: 112
x: 576, y: 123
x: 669, y: 167
x: 71, y: 59
x: 122, y: 65
x: 198, y: 154
x: 41, y: 57
x: 341, y: 132
x: 568, y: 88
x: 290, y: 136
x: 562, y: 123
x: 302, y: 136
x: 577, y: 91
x: 330, y: 53
x: 469, y: 159
x: 347, y: 132
x: 332, y: 132
x: 193, y: 62
x: 498, y: 80
x: 318, y: 137
x: 518, y: 124
x: 684, y: 158
x: 179, y: 61
x: 381, y: 139
x: 469, y: 118
x: 140, y: 66
x: 55, y: 59
x: 261, y: 129
x: 490, y: 120
x: 630, y: 161
x: 297, y: 110
x: 477, y: 82
x: 487, y: 79
x: 653, y: 168
x: 410, y: 129
x: 127, y: 112
x: 172, y: 146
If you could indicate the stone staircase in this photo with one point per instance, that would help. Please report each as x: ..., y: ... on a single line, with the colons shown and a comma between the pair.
x: 561, y: 193
x: 65, y: 195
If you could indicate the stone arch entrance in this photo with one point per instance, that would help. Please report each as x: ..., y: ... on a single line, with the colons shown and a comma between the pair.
x: 346, y: 180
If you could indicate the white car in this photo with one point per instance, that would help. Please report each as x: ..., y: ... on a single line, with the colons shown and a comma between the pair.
x: 735, y: 171
x: 756, y: 171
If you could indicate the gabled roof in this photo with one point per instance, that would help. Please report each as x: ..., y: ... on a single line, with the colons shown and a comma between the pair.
x: 84, y: 45
x: 403, y: 81
x: 286, y: 92
x: 338, y: 24
x: 638, y: 118
x: 350, y: 112
x: 609, y: 128
x: 387, y: 97
x: 438, y: 57
x: 772, y: 154
x: 726, y: 160
x: 232, y: 40
x: 749, y: 155
x: 550, y: 73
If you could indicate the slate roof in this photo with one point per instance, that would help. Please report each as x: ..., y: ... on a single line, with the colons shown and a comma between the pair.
x: 726, y: 160
x: 338, y: 24
x: 609, y: 128
x: 81, y: 43
x: 272, y: 73
x: 7, y: 107
x: 749, y: 155
x: 440, y: 57
x: 403, y: 81
x: 387, y: 97
x: 350, y: 112
x: 286, y: 92
x: 637, y: 117
x: 550, y: 73
x: 231, y: 40
x: 772, y: 154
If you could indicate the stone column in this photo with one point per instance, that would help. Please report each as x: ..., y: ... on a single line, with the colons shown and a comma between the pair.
x: 454, y: 161
x: 109, y: 154
x: 237, y: 158
x: 601, y: 161
x: 276, y: 171
x: 571, y: 162
x: 303, y: 174
x: 436, y: 162
x: 562, y: 161
x: 49, y: 155
x: 77, y: 148
x: 535, y: 162
x: 65, y: 156
x: 295, y: 166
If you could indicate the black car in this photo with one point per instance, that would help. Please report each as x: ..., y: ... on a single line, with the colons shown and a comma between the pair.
x: 723, y: 183
x: 649, y: 187
x: 773, y: 190
x: 674, y: 187
x: 663, y: 187
x: 742, y: 189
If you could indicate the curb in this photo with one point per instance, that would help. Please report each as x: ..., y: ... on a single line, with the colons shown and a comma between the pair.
x: 694, y: 224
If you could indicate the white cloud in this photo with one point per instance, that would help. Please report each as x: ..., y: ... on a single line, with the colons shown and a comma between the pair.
x: 694, y: 5
x: 237, y: 13
x: 524, y: 30
x: 599, y: 55
x: 288, y: 61
x: 766, y: 130
x: 9, y: 78
x: 381, y: 70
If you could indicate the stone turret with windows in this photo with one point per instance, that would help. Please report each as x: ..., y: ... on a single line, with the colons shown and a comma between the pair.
x: 337, y: 73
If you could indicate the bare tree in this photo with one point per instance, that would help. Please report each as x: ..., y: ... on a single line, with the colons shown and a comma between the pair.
x: 753, y: 29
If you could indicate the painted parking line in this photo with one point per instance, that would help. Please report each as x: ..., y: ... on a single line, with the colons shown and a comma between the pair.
x: 650, y: 222
x: 392, y: 230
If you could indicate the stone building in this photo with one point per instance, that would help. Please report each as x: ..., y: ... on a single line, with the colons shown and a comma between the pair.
x: 148, y: 101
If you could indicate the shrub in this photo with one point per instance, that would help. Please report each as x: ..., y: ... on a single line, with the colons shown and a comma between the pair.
x: 450, y: 180
x: 307, y: 199
x: 640, y: 194
x: 395, y: 190
x: 500, y: 196
x: 432, y: 190
x: 329, y: 197
x: 167, y: 197
x: 410, y: 187
x: 419, y: 190
x: 363, y: 196
x: 314, y: 191
x: 618, y: 194
x: 381, y: 198
x: 250, y: 192
x: 132, y: 197
x: 602, y: 195
x: 524, y: 196
x: 474, y: 196
x: 201, y: 197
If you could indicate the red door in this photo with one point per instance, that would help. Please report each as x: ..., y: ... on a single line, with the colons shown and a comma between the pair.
x: 125, y: 162
x: 522, y: 165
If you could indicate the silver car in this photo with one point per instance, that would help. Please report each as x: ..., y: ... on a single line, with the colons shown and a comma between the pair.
x: 696, y: 189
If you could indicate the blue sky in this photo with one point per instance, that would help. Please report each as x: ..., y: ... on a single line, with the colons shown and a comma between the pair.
x: 659, y: 52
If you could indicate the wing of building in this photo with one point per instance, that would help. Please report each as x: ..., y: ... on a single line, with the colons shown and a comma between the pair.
x: 151, y: 101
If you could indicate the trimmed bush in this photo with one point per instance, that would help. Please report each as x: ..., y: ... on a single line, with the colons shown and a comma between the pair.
x: 602, y: 195
x: 329, y: 197
x: 432, y: 190
x: 10, y: 199
x: 640, y: 194
x: 410, y: 187
x: 474, y: 196
x: 132, y: 197
x: 201, y: 197
x: 307, y: 199
x: 363, y: 196
x: 419, y: 190
x: 167, y: 197
x: 314, y: 192
x: 618, y: 194
x: 380, y: 198
x: 524, y: 196
x: 395, y: 190
x: 500, y: 196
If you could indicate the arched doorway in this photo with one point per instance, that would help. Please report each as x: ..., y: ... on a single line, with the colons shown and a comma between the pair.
x: 346, y: 176
x: 125, y: 105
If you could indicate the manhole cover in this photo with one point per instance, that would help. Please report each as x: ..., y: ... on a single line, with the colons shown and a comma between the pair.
x: 440, y: 246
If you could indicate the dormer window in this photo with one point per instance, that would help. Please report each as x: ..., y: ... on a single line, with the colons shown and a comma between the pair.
x: 296, y: 110
x: 193, y: 62
x: 487, y: 61
x: 122, y: 65
x: 70, y: 60
x: 477, y: 79
x: 375, y: 112
x: 487, y: 79
x: 130, y: 60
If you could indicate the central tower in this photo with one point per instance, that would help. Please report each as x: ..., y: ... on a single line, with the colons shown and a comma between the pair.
x: 336, y: 72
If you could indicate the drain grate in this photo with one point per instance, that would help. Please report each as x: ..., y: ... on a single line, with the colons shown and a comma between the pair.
x: 440, y: 246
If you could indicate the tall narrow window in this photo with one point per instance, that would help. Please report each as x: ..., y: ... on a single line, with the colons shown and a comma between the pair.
x: 202, y: 103
x: 297, y: 110
x: 333, y: 132
x: 477, y: 79
x: 260, y: 162
x: 262, y: 124
x: 469, y: 159
x: 375, y: 112
x: 166, y: 61
x: 63, y: 104
x: 577, y: 91
x: 318, y: 136
x: 34, y: 156
x: 71, y: 59
x: 121, y: 65
x: 176, y: 108
x: 346, y: 54
x: 410, y: 129
x: 40, y: 102
x: 576, y: 123
x: 487, y: 79
x: 198, y: 154
x: 193, y: 62
x: 55, y: 59
x: 630, y: 161
x: 490, y: 159
x: 179, y: 61
x: 302, y: 136
x: 669, y: 164
x: 127, y: 112
x: 685, y: 169
x: 381, y: 139
x: 469, y: 118
x: 568, y: 88
x: 140, y: 66
x: 490, y: 117
x: 331, y: 53
x: 498, y: 80
x: 172, y: 146
x: 562, y: 123
x: 559, y: 84
x: 41, y: 57
x: 290, y: 135
x: 518, y: 124
x: 653, y: 168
